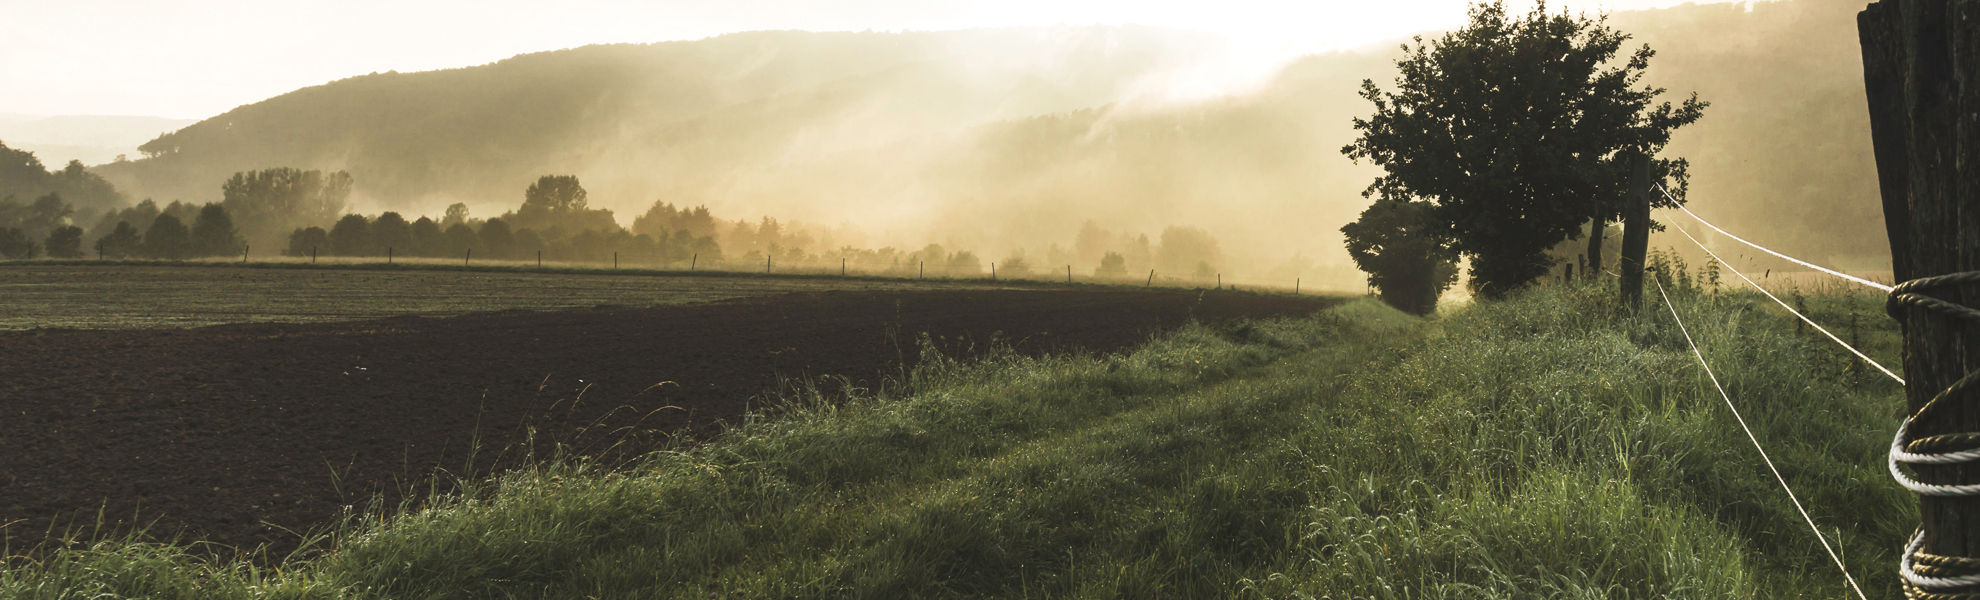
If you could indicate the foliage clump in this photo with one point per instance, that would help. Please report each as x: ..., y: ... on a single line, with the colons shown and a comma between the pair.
x: 1409, y: 266
x: 1517, y: 131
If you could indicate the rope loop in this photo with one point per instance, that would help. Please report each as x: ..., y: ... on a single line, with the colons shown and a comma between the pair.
x: 1932, y: 576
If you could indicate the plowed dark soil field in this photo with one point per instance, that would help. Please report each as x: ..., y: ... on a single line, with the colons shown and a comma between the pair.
x: 230, y: 433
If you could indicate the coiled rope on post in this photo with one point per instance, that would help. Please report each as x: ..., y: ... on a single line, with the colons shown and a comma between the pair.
x: 1925, y: 573
x: 1756, y: 443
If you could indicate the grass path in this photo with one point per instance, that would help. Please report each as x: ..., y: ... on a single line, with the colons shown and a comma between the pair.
x: 1546, y: 446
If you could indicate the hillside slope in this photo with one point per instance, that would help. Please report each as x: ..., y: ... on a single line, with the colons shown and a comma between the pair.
x: 1009, y: 140
x: 484, y: 132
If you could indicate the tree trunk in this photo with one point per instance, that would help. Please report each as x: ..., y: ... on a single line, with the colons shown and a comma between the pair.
x: 1921, y: 62
x: 1636, y: 233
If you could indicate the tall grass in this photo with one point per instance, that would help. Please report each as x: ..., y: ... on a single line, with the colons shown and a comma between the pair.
x: 1552, y: 445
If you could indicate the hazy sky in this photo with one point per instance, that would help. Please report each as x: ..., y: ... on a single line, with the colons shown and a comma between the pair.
x: 198, y: 58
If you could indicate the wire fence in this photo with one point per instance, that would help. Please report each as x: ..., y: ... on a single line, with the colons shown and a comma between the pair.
x: 1924, y: 575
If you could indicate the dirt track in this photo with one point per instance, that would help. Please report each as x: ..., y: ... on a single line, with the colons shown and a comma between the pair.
x: 221, y: 431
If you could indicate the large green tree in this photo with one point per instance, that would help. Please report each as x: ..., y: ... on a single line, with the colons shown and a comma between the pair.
x: 1408, y: 266
x: 1517, y: 131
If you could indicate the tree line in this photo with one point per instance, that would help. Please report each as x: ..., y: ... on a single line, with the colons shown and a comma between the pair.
x: 554, y: 222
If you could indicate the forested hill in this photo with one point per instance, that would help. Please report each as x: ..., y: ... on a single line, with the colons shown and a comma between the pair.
x: 1006, y: 139
x: 485, y: 132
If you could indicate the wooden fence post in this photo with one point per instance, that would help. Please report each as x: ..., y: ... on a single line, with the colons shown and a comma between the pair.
x: 1921, y: 76
x: 1636, y: 233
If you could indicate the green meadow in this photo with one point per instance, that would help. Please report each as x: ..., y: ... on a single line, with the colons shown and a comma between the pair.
x: 1552, y: 445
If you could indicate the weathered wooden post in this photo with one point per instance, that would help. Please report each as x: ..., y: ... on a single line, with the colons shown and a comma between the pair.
x: 1636, y: 232
x: 1921, y: 76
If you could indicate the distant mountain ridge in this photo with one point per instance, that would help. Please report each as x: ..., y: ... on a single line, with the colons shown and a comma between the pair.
x: 1007, y: 140
x: 92, y: 139
x: 482, y: 133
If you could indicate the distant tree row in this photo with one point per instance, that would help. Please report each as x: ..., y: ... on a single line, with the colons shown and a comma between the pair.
x: 494, y: 239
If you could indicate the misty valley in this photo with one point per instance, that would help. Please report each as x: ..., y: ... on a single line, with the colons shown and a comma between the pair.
x: 1522, y: 301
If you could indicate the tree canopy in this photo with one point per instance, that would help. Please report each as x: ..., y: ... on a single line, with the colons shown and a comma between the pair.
x: 1517, y: 131
x: 271, y: 202
x: 1409, y: 267
x: 559, y: 201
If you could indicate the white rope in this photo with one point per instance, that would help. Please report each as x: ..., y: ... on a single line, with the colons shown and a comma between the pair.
x: 1899, y: 455
x: 1906, y: 569
x: 1756, y: 443
x: 1680, y: 206
x: 1804, y: 318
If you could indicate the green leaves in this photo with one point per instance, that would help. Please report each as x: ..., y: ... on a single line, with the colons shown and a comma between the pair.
x: 1516, y: 131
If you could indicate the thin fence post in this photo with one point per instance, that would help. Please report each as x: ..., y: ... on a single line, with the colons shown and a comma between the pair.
x: 1295, y: 286
x: 692, y: 260
x: 993, y: 271
x: 244, y: 252
x: 615, y: 260
x: 1220, y: 281
x: 842, y: 266
x: 468, y: 258
x: 1151, y: 278
x: 923, y: 271
x: 388, y: 255
x: 1636, y: 233
x: 768, y: 261
x: 1068, y: 273
x: 539, y: 259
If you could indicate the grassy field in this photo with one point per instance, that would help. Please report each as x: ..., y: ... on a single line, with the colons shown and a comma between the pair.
x: 89, y: 295
x: 1552, y: 445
